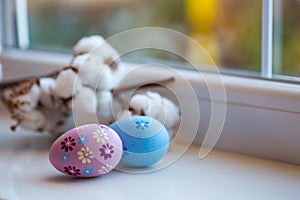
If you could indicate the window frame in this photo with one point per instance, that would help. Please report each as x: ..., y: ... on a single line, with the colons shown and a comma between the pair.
x: 248, y: 96
x: 267, y: 39
x: 16, y: 35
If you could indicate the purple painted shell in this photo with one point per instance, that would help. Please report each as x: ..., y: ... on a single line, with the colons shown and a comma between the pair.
x: 86, y: 151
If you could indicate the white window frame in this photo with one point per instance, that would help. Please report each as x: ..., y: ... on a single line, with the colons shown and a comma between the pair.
x: 267, y: 39
x: 262, y: 114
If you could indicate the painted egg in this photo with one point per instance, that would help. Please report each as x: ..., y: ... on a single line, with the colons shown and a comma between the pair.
x: 87, y: 151
x: 145, y: 140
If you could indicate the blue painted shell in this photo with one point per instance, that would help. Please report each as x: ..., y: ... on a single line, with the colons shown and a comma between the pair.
x: 145, y: 140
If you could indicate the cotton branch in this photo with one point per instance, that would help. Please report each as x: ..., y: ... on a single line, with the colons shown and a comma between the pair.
x: 47, y: 103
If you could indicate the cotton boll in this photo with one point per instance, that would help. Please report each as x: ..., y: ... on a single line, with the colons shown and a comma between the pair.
x: 98, y: 48
x: 47, y: 85
x: 163, y: 110
x: 84, y: 107
x: 33, y: 120
x: 68, y: 83
x: 139, y: 103
x: 112, y: 75
x: 22, y: 101
x: 98, y: 63
x: 9, y: 96
x: 47, y: 97
x: 116, y: 74
x: 155, y: 97
x: 154, y: 105
x: 32, y: 97
x: 166, y: 112
x: 78, y: 61
x: 104, y: 111
x: 173, y: 113
x: 106, y: 54
x: 147, y: 104
x: 124, y: 114
x: 87, y: 44
x: 85, y: 100
x: 58, y: 120
x: 95, y: 75
x: 28, y: 100
x: 107, y: 107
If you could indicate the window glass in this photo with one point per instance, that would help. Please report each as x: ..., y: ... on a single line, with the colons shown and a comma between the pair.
x: 230, y: 30
x: 287, y: 37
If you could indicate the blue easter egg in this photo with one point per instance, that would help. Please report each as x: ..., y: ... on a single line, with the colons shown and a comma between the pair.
x: 145, y: 140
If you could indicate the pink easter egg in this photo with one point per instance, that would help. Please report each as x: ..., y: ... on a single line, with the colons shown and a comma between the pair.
x: 86, y: 151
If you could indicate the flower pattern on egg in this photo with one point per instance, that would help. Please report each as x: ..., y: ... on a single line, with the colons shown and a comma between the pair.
x: 106, y: 151
x: 101, y: 136
x: 85, y: 155
x: 142, y: 125
x: 76, y: 153
x: 88, y: 171
x: 67, y: 144
x: 83, y: 139
x: 105, y: 169
x: 65, y: 157
x: 72, y: 171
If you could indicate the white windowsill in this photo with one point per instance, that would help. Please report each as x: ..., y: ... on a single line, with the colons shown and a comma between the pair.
x: 262, y: 116
x: 26, y: 173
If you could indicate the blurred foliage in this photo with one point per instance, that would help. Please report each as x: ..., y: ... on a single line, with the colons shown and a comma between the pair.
x: 56, y: 26
x: 291, y: 38
x: 229, y: 29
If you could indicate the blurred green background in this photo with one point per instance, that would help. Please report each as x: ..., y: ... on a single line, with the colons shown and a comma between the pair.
x: 230, y: 30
